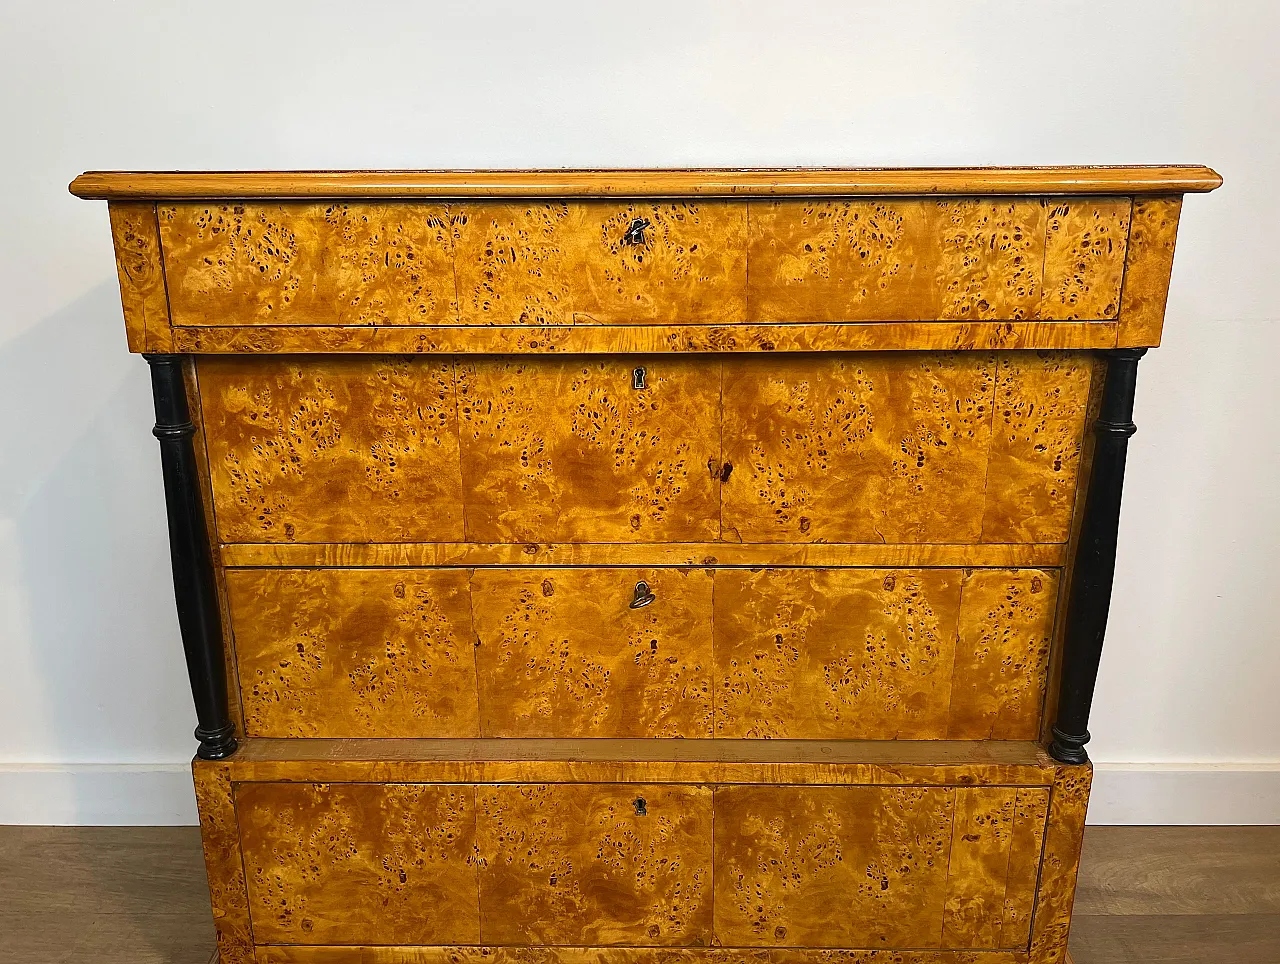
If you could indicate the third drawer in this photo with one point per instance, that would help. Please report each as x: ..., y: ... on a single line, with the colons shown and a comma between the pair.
x: 801, y: 653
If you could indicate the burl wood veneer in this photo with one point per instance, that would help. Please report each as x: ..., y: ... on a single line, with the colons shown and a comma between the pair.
x: 644, y: 567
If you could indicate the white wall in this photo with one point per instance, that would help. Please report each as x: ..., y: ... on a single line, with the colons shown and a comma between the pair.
x: 93, y: 686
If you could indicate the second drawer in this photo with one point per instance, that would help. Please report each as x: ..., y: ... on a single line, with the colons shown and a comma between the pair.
x: 856, y: 653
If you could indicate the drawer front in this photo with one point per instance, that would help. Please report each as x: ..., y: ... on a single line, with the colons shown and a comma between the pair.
x: 858, y: 653
x: 923, y: 654
x: 876, y: 867
x: 563, y: 653
x: 567, y: 450
x: 907, y: 259
x: 636, y: 262
x: 595, y: 864
x: 346, y: 653
x: 642, y: 864
x: 951, y: 448
x: 359, y: 863
x: 333, y: 449
x: 308, y: 264
x: 601, y: 262
x: 903, y: 448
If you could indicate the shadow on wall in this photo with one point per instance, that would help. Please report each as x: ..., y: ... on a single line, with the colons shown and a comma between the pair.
x: 95, y: 673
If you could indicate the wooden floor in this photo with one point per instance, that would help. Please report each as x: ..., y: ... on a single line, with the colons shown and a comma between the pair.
x: 1182, y: 895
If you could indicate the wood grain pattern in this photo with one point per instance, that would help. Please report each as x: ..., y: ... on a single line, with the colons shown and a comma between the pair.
x: 1084, y: 257
x: 309, y: 264
x: 823, y: 554
x: 861, y: 867
x: 892, y: 259
x: 284, y: 954
x: 560, y: 263
x: 561, y: 653
x: 881, y: 654
x: 1064, y: 833
x: 835, y: 654
x: 593, y: 864
x: 136, y: 237
x: 333, y: 450
x: 821, y: 182
x: 669, y: 339
x: 875, y: 448
x: 355, y: 652
x: 1041, y: 404
x: 999, y: 675
x: 510, y: 267
x: 779, y: 653
x: 621, y: 955
x: 360, y: 863
x: 861, y: 448
x: 831, y: 867
x: 767, y: 762
x: 566, y: 450
x: 1025, y: 848
x: 1149, y: 265
x: 978, y: 866
x: 220, y: 835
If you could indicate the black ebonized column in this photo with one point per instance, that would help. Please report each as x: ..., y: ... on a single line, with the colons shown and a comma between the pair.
x: 198, y: 618
x: 1095, y: 562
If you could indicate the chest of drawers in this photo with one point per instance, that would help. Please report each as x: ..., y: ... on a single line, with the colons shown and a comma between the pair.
x: 643, y: 566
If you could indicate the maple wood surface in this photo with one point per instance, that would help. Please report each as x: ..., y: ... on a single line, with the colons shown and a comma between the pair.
x: 1152, y: 179
x: 947, y: 448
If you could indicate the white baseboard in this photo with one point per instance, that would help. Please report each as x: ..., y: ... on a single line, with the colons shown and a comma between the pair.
x: 1185, y: 793
x: 88, y: 794
x: 161, y: 794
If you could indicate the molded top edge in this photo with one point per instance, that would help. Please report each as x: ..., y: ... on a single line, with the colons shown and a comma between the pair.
x: 819, y: 182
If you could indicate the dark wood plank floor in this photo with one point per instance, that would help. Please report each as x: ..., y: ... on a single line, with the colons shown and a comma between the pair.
x: 1154, y: 895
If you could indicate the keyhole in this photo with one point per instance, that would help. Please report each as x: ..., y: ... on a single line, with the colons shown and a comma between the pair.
x: 639, y: 805
x: 637, y: 378
x: 635, y: 231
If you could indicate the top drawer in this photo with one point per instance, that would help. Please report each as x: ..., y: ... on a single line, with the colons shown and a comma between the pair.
x: 643, y: 262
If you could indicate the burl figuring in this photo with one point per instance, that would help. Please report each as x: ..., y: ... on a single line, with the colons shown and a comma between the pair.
x: 644, y: 567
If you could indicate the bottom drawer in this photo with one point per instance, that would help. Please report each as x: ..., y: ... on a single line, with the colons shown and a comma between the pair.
x: 453, y: 855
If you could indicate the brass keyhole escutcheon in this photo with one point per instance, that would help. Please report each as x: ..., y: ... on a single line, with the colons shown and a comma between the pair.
x: 637, y: 378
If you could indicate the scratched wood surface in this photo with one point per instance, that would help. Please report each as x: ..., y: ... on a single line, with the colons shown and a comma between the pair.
x: 360, y: 863
x: 355, y: 652
x: 561, y: 653
x: 875, y: 448
x: 335, y: 449
x: 881, y: 654
x: 567, y: 450
x: 862, y: 866
x: 595, y: 864
x: 308, y: 264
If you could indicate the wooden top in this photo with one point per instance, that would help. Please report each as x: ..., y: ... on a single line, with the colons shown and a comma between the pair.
x: 827, y: 182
